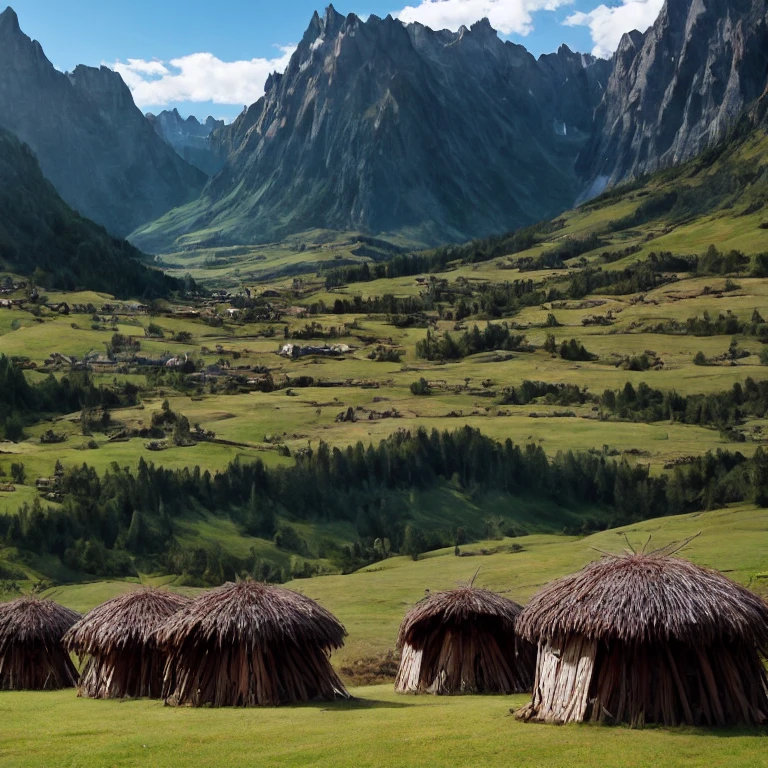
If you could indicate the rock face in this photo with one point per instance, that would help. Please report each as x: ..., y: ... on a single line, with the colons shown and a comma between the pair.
x: 93, y: 144
x: 676, y: 89
x: 190, y: 138
x: 382, y: 127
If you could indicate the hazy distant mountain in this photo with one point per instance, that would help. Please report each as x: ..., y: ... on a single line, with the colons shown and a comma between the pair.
x: 676, y: 89
x: 190, y: 138
x: 93, y: 143
x: 382, y: 127
x: 40, y: 234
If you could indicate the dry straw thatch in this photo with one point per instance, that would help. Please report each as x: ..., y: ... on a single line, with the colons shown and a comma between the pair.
x: 118, y: 637
x: 463, y: 641
x: 648, y: 638
x: 249, y: 644
x: 32, y: 656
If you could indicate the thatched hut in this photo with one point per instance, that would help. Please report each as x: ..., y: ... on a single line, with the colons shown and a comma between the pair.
x: 647, y: 639
x: 32, y: 656
x: 249, y: 644
x: 463, y: 641
x: 118, y: 639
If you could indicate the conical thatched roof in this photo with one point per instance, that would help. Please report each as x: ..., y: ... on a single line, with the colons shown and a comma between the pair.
x: 130, y: 619
x: 255, y: 615
x: 456, y: 606
x: 30, y: 620
x: 647, y: 597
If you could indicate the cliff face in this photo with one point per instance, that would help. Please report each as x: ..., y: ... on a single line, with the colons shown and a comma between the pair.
x: 676, y: 89
x: 190, y: 138
x: 93, y: 144
x: 382, y: 127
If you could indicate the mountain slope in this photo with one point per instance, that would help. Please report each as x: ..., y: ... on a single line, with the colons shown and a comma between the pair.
x: 41, y: 234
x: 382, y: 127
x: 677, y: 89
x: 95, y: 146
x: 190, y: 138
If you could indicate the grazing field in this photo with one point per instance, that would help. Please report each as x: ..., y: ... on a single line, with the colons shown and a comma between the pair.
x: 378, y: 728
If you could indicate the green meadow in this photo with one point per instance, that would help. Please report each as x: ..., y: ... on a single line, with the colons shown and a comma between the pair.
x: 380, y: 728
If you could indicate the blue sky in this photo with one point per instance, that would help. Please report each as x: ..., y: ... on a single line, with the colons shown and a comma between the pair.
x: 212, y: 56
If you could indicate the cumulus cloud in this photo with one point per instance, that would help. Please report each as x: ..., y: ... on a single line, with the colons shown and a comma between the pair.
x: 199, y: 77
x: 507, y: 16
x: 607, y: 25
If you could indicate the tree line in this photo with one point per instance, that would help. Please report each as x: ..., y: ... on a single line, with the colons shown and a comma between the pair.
x: 106, y: 524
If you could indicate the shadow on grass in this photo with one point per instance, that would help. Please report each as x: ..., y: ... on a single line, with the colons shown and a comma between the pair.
x: 352, y: 705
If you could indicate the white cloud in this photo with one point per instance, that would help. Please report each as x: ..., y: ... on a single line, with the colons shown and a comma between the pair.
x: 607, y: 25
x: 199, y: 77
x: 507, y: 16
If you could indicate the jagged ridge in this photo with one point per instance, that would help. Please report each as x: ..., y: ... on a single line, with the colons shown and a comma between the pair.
x: 382, y: 127
x: 93, y: 143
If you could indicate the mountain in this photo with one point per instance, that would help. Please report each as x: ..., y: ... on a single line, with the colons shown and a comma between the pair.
x: 377, y: 126
x: 96, y: 147
x: 190, y: 138
x: 678, y: 88
x: 41, y: 235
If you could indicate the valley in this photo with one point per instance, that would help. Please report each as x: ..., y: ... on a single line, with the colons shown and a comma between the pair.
x: 430, y: 312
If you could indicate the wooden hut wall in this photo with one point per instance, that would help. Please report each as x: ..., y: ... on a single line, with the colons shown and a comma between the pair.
x: 132, y: 672
x: 563, y: 678
x: 669, y: 684
x: 480, y: 658
x: 239, y: 676
x: 35, y: 667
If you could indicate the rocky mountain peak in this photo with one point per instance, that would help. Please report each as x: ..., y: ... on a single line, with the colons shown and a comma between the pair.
x: 9, y: 22
x: 380, y: 126
x: 91, y: 140
x: 483, y: 29
x: 677, y: 88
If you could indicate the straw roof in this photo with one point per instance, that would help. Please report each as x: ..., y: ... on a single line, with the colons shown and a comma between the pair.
x: 30, y: 620
x: 252, y: 614
x: 456, y: 606
x: 647, y: 598
x: 130, y: 619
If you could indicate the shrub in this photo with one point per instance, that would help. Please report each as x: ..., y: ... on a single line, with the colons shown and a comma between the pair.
x: 421, y: 388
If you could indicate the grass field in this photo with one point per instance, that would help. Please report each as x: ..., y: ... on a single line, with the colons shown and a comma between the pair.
x: 378, y: 729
